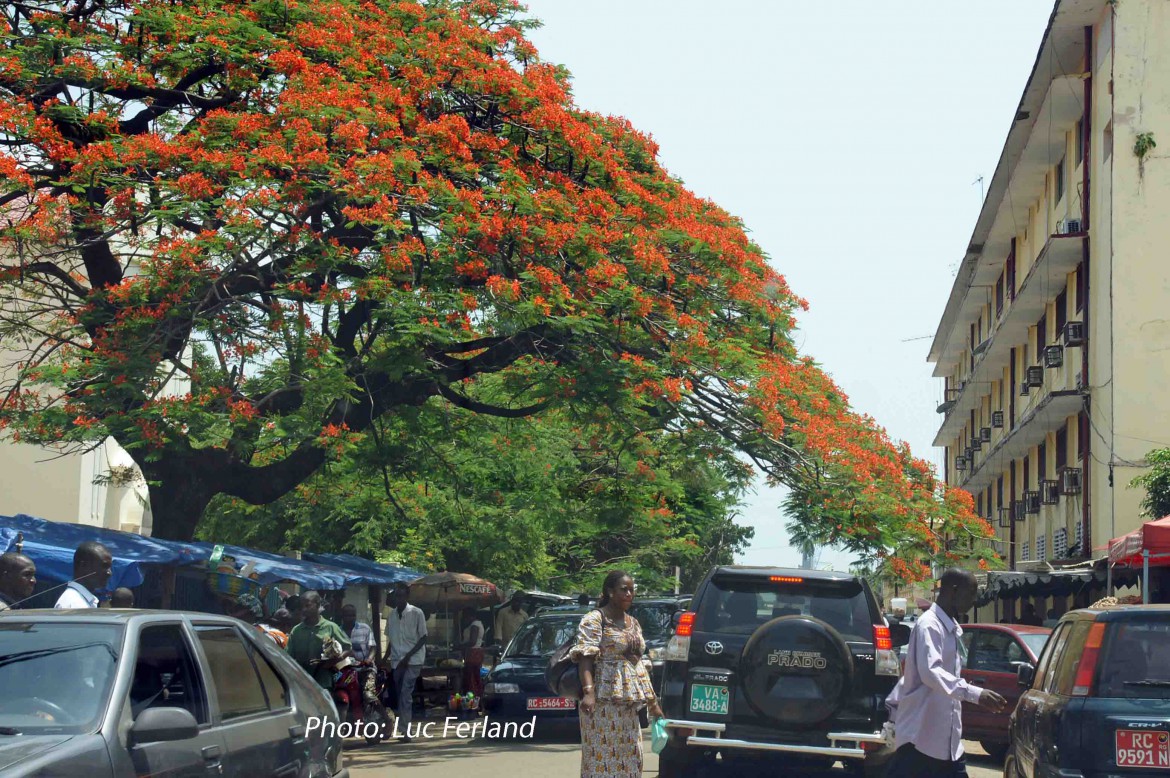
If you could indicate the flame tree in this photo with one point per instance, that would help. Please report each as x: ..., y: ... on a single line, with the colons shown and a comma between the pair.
x: 309, y: 214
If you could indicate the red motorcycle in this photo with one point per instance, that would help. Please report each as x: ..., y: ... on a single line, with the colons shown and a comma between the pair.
x: 369, y: 721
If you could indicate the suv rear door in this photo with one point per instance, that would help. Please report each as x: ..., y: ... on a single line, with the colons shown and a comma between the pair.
x: 732, y: 607
x: 1125, y: 723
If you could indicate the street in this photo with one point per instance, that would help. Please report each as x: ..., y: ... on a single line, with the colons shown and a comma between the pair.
x: 561, y: 757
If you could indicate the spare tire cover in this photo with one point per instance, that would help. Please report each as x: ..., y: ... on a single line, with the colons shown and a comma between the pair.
x: 796, y: 670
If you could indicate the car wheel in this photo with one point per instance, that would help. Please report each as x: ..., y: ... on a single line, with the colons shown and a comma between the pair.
x: 997, y: 751
x: 1011, y: 766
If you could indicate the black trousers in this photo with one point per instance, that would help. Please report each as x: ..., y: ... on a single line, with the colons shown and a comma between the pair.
x: 909, y: 762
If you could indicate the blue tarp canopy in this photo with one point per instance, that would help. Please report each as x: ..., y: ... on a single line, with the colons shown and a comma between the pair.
x: 51, y: 545
x: 371, y: 573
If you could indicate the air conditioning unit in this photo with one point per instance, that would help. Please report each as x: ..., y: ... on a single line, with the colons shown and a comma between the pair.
x: 985, y: 434
x: 1019, y: 510
x: 1049, y: 492
x: 960, y: 463
x: 1035, y: 376
x: 976, y: 443
x: 1072, y: 227
x: 1053, y: 356
x: 1023, y: 389
x: 1070, y: 480
x: 1074, y: 334
x: 1032, y: 502
x: 1005, y: 516
x: 997, y: 419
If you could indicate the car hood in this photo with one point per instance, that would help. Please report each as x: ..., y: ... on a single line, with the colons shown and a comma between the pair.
x: 15, y: 749
x: 528, y: 673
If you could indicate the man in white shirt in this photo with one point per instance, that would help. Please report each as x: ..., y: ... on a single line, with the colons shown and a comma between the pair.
x: 93, y: 564
x: 406, y: 634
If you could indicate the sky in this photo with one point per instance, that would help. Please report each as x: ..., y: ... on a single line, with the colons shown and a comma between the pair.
x: 849, y: 135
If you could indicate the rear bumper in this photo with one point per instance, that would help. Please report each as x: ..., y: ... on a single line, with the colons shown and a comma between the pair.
x: 842, y: 745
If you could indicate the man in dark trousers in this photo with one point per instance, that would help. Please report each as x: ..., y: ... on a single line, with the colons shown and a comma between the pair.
x: 18, y: 578
x: 926, y: 705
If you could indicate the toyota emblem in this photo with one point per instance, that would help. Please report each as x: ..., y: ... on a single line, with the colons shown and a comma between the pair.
x: 714, y: 647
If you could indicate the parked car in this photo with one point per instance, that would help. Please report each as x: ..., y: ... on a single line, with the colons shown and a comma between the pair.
x: 1098, y: 702
x: 772, y: 664
x: 995, y: 652
x: 127, y: 693
x: 656, y: 616
x: 515, y: 689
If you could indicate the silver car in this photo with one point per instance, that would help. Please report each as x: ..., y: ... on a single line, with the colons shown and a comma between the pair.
x: 128, y: 693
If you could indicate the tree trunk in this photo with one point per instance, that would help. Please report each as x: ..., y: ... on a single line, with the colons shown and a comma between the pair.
x: 178, y: 497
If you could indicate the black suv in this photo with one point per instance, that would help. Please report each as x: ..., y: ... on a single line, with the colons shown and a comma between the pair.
x: 780, y: 665
x: 1098, y: 702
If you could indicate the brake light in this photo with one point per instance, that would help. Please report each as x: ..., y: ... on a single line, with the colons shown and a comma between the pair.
x: 885, y: 661
x: 881, y: 638
x: 1087, y: 669
x: 786, y: 579
x: 686, y: 625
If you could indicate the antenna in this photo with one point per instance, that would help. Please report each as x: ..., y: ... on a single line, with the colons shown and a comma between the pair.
x: 980, y: 182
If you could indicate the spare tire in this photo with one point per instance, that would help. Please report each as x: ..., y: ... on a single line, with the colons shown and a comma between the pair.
x: 796, y: 670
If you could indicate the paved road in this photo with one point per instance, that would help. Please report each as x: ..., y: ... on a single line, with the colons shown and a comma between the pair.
x: 444, y: 758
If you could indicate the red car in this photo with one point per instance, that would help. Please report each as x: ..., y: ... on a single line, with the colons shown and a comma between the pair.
x: 994, y: 652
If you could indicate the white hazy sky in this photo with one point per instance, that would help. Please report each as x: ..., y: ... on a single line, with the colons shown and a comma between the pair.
x: 848, y: 135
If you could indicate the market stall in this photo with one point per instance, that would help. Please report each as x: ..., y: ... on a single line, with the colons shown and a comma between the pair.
x: 1147, y: 546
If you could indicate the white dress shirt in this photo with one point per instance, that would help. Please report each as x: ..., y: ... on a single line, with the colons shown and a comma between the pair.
x: 76, y: 596
x: 927, y: 703
x: 403, y: 632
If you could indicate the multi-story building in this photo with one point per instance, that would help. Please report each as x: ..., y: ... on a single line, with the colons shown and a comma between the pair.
x: 1055, y: 342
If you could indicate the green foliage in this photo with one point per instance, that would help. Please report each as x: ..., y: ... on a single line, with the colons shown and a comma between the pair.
x: 1156, y: 482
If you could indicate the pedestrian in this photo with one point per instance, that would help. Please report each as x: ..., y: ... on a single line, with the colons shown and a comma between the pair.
x: 1052, y: 620
x: 93, y: 564
x: 365, y: 650
x: 307, y: 640
x: 122, y: 597
x: 406, y: 634
x: 282, y: 620
x: 509, y: 619
x: 18, y: 578
x: 1030, y: 617
x: 614, y: 683
x: 926, y: 704
x: 472, y: 644
x: 247, y: 608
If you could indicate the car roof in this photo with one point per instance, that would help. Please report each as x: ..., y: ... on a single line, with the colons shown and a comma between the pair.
x: 111, y: 615
x: 549, y: 613
x: 748, y: 571
x: 1117, y: 612
x: 1019, y: 629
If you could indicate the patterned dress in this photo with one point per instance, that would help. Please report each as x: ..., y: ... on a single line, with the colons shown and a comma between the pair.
x: 611, y: 736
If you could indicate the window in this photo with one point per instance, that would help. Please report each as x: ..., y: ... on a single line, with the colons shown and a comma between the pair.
x: 1057, y: 642
x: 166, y: 673
x: 1080, y: 142
x: 1042, y: 548
x: 740, y: 605
x: 1041, y: 335
x: 1045, y: 662
x: 1070, y: 662
x: 274, y: 687
x: 541, y: 637
x: 992, y: 651
x: 1059, y: 180
x: 999, y: 295
x: 1060, y: 544
x: 1136, y: 662
x: 1061, y: 313
x: 1010, y: 273
x: 237, y: 685
x: 1082, y: 434
x: 1026, y: 552
x: 1078, y: 531
x: 1062, y: 448
x: 1042, y: 461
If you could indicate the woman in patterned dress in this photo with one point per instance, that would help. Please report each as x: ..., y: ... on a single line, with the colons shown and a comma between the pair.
x: 614, y: 682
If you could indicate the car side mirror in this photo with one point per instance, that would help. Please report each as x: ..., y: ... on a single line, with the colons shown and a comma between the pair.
x: 900, y: 635
x: 157, y: 725
x: 675, y: 618
x: 1025, y: 674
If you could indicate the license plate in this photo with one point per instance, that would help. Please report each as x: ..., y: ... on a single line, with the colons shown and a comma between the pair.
x: 1143, y: 748
x: 706, y: 698
x: 551, y: 703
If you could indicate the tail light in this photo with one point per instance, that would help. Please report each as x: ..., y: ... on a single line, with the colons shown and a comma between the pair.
x: 885, y: 660
x: 679, y: 645
x: 1087, y: 669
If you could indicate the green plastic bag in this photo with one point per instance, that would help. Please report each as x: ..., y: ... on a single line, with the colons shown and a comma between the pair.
x: 658, y: 736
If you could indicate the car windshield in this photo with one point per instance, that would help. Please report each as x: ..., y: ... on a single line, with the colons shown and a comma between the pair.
x: 540, y: 637
x: 56, y: 677
x: 1136, y: 663
x: 1034, y: 641
x: 655, y: 618
x: 740, y: 605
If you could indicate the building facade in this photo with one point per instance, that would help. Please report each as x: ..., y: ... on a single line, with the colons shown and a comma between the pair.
x: 1054, y: 346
